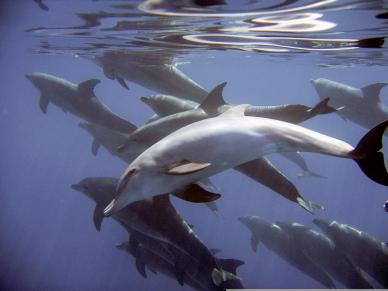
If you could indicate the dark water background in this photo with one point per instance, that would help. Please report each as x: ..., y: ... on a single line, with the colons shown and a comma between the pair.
x: 48, y: 241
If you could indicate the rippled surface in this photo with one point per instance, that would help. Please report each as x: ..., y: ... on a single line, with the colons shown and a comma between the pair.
x: 254, y: 26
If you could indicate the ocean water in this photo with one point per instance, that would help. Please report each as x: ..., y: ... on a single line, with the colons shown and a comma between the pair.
x: 266, y: 51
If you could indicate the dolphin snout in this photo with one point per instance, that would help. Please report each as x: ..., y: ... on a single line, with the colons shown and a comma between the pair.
x: 145, y: 99
x: 312, y: 81
x: 77, y: 187
x: 28, y: 76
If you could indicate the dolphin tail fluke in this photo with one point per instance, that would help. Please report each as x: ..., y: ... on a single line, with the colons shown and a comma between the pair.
x: 368, y: 156
x: 219, y: 276
x: 230, y: 265
x: 322, y: 108
x: 196, y: 194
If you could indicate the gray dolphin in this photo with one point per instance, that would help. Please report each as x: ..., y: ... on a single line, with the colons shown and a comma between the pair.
x: 278, y: 241
x: 361, y: 106
x: 158, y: 219
x: 364, y: 250
x: 207, y: 147
x: 322, y: 250
x: 168, y: 105
x: 154, y: 71
x: 78, y: 100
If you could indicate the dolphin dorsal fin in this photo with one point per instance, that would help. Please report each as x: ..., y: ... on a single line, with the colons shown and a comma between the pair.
x: 372, y: 91
x: 236, y: 111
x: 86, y: 88
x: 214, y: 99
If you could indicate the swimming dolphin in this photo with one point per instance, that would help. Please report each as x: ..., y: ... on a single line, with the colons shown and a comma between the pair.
x: 210, y: 146
x: 278, y: 241
x: 158, y: 219
x: 154, y: 71
x: 364, y: 250
x: 320, y: 249
x: 361, y: 106
x: 168, y: 106
x: 77, y: 99
x: 147, y: 254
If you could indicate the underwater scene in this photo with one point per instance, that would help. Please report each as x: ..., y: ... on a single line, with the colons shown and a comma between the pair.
x: 193, y: 145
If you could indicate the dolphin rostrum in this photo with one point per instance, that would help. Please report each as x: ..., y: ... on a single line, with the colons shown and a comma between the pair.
x: 77, y: 99
x: 361, y: 106
x: 210, y: 146
x: 364, y: 250
x: 278, y: 241
x: 322, y: 250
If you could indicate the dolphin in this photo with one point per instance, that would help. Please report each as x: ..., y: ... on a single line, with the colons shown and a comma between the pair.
x: 364, y: 250
x: 322, y: 250
x: 361, y: 106
x: 154, y: 71
x: 77, y: 99
x: 210, y: 146
x: 147, y: 254
x: 168, y: 105
x: 158, y: 219
x: 278, y: 241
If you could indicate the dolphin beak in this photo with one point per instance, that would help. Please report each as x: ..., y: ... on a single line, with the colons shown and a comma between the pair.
x: 312, y: 81
x: 77, y: 187
x: 145, y: 99
x: 28, y: 76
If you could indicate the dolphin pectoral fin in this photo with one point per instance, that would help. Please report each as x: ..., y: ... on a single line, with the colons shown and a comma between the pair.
x: 372, y: 92
x: 98, y: 216
x: 86, y: 88
x: 95, y: 146
x: 254, y: 242
x: 194, y: 193
x: 43, y: 103
x: 186, y: 167
x: 140, y: 266
x: 368, y: 156
x: 214, y: 99
x: 122, y: 82
x: 179, y: 270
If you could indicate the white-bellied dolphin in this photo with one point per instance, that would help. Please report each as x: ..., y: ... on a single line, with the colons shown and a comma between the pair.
x: 278, y: 241
x: 361, y: 106
x: 210, y: 146
x: 152, y: 70
x: 174, y: 113
x: 370, y: 254
x: 156, y: 218
x: 322, y: 250
x: 77, y: 99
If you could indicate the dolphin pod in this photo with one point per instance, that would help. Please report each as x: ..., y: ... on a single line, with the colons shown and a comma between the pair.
x: 365, y: 251
x: 208, y: 147
x: 78, y: 100
x: 323, y: 251
x: 278, y: 241
x: 156, y: 225
x: 361, y: 106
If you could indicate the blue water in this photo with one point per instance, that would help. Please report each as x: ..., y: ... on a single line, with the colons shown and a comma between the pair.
x: 48, y: 241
